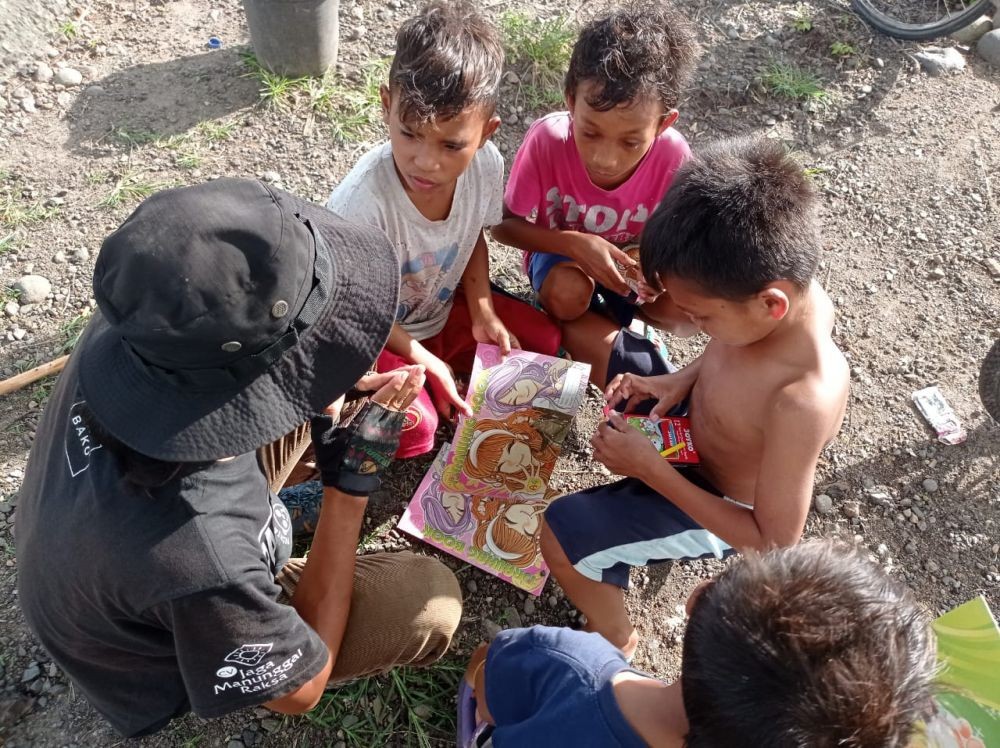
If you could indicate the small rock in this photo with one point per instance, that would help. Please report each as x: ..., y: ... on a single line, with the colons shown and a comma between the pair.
x: 823, y: 504
x: 423, y: 711
x: 33, y: 289
x: 270, y: 724
x: 59, y: 257
x: 270, y: 176
x: 930, y: 485
x: 19, y: 333
x: 989, y: 47
x: 68, y: 77
x: 529, y: 607
x: 492, y: 628
x: 936, y: 274
x: 992, y: 267
x: 358, y: 32
x: 235, y: 743
x: 30, y: 673
x: 11, y: 308
x: 972, y: 33
x: 28, y: 104
x: 553, y: 601
x: 43, y: 73
x: 64, y: 99
x: 851, y: 509
x: 80, y: 256
x: 939, y: 61
x: 512, y: 616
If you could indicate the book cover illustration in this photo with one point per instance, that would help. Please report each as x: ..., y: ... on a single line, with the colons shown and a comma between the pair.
x: 483, y: 497
x: 968, y: 702
x: 671, y: 435
x: 522, y: 411
x: 497, y: 535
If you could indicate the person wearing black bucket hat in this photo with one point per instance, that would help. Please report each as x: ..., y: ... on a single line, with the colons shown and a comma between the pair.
x: 153, y: 553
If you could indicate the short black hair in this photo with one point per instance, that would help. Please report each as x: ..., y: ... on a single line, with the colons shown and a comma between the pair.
x: 448, y: 58
x: 641, y: 50
x: 811, y: 645
x: 740, y: 214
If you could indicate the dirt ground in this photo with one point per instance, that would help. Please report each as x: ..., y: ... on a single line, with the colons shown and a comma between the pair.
x: 907, y: 166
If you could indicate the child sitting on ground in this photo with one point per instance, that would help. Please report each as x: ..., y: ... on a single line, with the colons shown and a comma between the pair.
x: 584, y: 181
x: 433, y: 188
x: 735, y: 242
x: 805, y: 646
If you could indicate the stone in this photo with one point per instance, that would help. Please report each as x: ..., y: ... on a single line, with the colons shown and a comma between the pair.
x: 823, y: 504
x: 43, y: 73
x: 423, y: 711
x: 512, y: 617
x: 989, y: 47
x: 936, y: 274
x: 492, y: 628
x: 59, y: 257
x: 68, y: 77
x: 529, y: 607
x: 270, y: 176
x: 64, y: 99
x: 974, y: 31
x: 930, y: 485
x: 553, y: 601
x: 30, y: 673
x: 270, y: 724
x: 940, y: 60
x: 235, y: 743
x: 28, y: 105
x: 992, y: 267
x: 472, y: 586
x: 33, y: 289
x: 80, y: 256
x: 851, y: 509
x: 11, y: 308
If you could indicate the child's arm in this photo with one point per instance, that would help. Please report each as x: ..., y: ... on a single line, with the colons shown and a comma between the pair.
x: 795, y: 434
x: 439, y: 374
x: 475, y: 676
x: 595, y: 255
x: 487, y: 327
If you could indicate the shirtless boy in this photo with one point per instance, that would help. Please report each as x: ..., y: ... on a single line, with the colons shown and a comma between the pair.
x: 735, y: 243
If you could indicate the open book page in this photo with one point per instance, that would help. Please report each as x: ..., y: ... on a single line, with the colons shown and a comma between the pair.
x: 968, y: 716
x: 483, y: 498
x: 497, y: 535
x: 523, y: 409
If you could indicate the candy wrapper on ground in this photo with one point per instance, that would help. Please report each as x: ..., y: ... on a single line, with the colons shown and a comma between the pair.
x: 932, y: 405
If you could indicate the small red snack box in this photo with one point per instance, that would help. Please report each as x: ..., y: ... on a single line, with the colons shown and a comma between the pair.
x: 671, y: 436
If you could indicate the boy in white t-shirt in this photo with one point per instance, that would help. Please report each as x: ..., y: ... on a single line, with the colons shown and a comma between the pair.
x: 433, y: 188
x: 584, y: 181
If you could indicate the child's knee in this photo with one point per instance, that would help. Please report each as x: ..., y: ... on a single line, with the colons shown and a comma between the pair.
x: 419, y: 426
x: 566, y: 292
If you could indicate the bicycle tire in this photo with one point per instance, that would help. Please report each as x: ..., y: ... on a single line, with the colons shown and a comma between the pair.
x: 989, y: 382
x: 893, y: 27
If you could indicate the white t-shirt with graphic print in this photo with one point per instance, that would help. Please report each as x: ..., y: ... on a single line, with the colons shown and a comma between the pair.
x: 432, y: 254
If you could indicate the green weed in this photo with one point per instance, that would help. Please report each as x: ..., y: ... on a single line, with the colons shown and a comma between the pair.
x: 275, y: 90
x: 129, y: 187
x: 15, y: 212
x: 538, y: 51
x: 408, y: 706
x: 791, y: 82
x: 842, y: 49
x: 8, y: 243
x: 70, y: 29
x: 133, y: 138
x: 802, y: 22
x: 70, y: 332
x: 215, y: 132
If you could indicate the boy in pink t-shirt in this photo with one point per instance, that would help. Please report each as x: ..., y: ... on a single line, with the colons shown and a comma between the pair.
x: 584, y: 181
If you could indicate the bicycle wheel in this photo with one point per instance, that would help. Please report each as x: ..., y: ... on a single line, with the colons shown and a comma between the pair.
x: 989, y: 382
x: 920, y: 19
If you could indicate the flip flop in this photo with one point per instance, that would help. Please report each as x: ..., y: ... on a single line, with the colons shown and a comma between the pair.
x: 466, y: 715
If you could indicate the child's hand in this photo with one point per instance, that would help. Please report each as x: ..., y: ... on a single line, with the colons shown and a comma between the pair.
x: 622, y: 449
x: 668, y: 389
x: 597, y: 257
x: 489, y: 329
x: 444, y: 392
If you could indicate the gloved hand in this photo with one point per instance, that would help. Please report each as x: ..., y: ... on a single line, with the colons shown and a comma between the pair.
x: 351, y: 456
x: 352, y: 453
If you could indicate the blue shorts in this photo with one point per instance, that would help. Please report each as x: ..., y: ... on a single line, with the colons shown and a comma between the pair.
x: 609, y: 303
x: 605, y: 530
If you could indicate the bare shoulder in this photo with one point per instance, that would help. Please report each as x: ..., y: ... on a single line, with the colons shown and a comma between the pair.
x: 817, y: 397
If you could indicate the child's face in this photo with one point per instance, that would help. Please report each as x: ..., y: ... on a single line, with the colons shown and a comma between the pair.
x: 612, y: 143
x: 731, y: 322
x: 430, y: 157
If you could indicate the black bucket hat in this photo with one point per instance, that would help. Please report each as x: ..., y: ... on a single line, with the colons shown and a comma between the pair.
x: 231, y: 312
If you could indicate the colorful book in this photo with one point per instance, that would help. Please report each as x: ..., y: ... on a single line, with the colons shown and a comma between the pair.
x: 483, y: 498
x: 968, y: 701
x: 671, y: 435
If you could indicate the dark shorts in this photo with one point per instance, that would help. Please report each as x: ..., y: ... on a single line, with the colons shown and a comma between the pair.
x: 632, y: 353
x: 605, y: 530
x: 608, y: 303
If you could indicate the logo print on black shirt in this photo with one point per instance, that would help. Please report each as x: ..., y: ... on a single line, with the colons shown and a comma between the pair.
x: 79, y: 442
x: 249, y: 654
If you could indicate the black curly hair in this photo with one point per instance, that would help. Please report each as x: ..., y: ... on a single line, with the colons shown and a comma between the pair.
x: 640, y: 50
x: 448, y: 58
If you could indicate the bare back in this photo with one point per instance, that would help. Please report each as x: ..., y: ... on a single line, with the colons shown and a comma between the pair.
x: 739, y: 388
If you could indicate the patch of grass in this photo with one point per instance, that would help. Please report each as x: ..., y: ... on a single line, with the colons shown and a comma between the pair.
x: 275, y: 90
x: 15, y: 212
x: 71, y: 331
x: 538, y: 50
x: 407, y: 706
x: 802, y: 22
x: 70, y: 30
x: 133, y: 138
x: 792, y: 82
x: 129, y: 187
x: 843, y: 49
x: 215, y: 132
x: 8, y: 243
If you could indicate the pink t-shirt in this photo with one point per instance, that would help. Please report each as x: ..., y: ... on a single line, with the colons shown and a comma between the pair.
x: 549, y: 186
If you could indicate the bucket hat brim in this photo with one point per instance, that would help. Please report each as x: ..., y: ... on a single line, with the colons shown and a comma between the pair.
x: 172, y: 423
